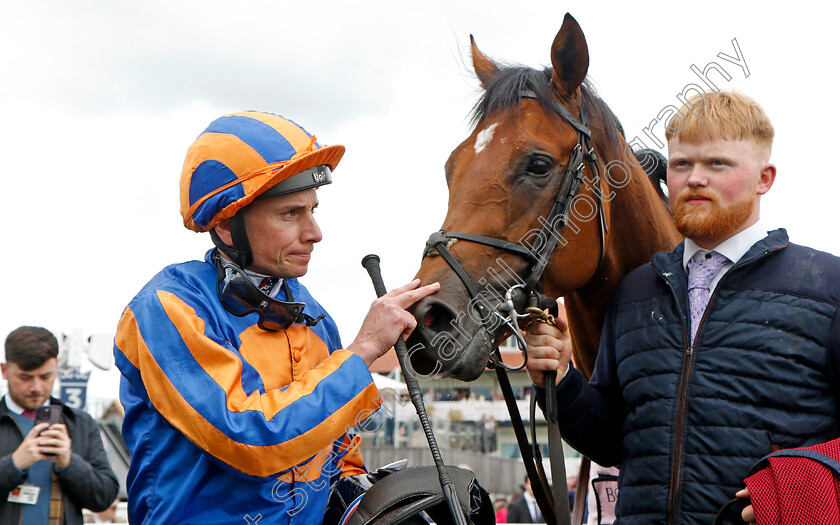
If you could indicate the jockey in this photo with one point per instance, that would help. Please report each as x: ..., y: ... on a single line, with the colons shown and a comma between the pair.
x: 238, y: 392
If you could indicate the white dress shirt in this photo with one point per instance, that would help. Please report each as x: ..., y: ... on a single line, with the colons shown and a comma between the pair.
x: 732, y: 248
x: 533, y: 509
x: 14, y: 407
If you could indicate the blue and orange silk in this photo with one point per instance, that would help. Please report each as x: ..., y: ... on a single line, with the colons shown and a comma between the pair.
x: 225, y: 420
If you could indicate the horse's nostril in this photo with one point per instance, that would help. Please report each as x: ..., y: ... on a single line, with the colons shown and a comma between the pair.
x: 438, y: 317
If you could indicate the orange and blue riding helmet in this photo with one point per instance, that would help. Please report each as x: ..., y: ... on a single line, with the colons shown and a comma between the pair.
x: 244, y: 156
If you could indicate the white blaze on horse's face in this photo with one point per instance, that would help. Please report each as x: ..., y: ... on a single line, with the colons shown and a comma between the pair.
x: 484, y: 138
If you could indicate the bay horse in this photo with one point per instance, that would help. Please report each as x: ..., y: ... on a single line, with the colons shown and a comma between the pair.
x: 545, y: 194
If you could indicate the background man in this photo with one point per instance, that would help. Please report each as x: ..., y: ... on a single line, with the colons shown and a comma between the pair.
x: 237, y: 390
x: 525, y: 509
x: 48, y: 473
x: 716, y: 353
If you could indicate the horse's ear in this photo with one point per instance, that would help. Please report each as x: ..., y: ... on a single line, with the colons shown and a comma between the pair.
x: 485, y: 69
x: 569, y: 57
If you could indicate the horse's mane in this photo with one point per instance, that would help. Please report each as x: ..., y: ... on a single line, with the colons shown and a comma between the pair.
x: 504, y: 91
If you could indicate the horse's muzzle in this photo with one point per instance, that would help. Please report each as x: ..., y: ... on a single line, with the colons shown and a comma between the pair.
x: 446, y: 343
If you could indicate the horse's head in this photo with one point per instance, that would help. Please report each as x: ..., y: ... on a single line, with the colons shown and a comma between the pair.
x: 518, y: 183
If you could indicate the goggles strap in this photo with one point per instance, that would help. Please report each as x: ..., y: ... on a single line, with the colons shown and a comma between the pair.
x: 312, y: 321
x: 287, y: 291
x: 308, y: 319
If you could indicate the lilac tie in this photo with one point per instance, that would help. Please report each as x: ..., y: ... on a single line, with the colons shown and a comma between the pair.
x: 701, y: 272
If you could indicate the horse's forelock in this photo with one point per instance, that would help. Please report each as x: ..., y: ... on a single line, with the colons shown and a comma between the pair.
x: 504, y: 92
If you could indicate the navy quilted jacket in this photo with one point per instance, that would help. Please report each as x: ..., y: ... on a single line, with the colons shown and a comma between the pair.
x: 686, y: 424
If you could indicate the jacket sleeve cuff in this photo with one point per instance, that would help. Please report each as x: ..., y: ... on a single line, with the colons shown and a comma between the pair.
x: 77, y: 467
x: 22, y: 473
x: 10, y: 475
x: 568, y: 389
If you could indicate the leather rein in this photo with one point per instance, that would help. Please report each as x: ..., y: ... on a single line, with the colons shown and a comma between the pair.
x: 556, y: 509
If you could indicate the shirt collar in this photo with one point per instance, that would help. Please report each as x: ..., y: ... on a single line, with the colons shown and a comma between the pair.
x: 257, y: 278
x: 732, y: 248
x: 14, y: 407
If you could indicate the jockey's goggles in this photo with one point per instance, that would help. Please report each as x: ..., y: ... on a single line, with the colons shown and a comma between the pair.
x: 240, y: 296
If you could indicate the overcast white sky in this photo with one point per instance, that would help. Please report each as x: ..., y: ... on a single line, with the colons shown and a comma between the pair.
x: 100, y: 100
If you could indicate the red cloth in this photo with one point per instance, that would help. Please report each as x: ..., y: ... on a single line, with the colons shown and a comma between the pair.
x: 796, y: 490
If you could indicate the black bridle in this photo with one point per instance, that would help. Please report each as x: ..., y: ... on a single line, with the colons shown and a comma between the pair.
x: 581, y: 156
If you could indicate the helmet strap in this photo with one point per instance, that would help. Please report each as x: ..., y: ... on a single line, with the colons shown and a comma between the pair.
x: 240, y: 253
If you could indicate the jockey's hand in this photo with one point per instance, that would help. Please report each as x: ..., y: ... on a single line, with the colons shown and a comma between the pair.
x: 748, y: 514
x: 549, y: 348
x: 388, y: 320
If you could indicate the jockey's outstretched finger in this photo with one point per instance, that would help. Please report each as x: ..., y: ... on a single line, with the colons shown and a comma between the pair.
x: 404, y: 288
x: 410, y: 293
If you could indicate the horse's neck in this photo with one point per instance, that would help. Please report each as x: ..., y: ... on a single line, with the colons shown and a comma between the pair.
x: 585, y: 316
x: 639, y: 226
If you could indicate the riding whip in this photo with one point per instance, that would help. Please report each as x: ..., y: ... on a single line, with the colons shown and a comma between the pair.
x: 371, y: 264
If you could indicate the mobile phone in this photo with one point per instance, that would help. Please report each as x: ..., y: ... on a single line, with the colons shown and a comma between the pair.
x: 48, y: 414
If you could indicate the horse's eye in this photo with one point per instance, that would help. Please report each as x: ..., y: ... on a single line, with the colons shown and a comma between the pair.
x: 539, y: 167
